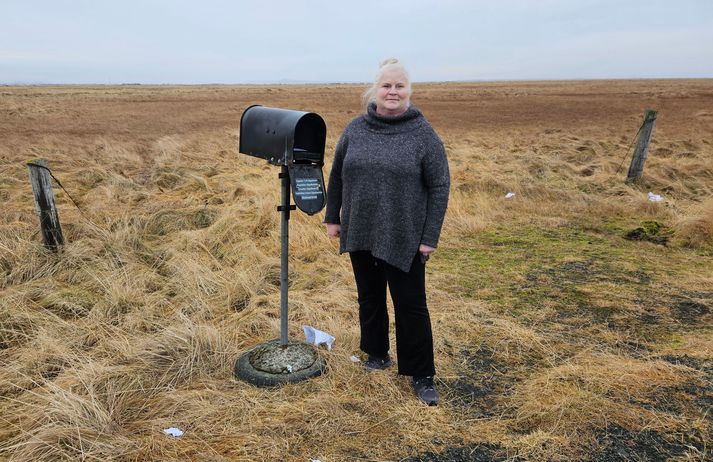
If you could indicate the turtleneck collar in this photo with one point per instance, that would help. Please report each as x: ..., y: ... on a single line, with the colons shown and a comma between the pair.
x: 405, y: 122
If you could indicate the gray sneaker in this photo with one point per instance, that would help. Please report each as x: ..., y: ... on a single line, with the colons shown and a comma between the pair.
x: 375, y: 363
x: 425, y: 390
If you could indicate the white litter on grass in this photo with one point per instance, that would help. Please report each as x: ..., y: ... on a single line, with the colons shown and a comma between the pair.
x: 655, y: 197
x: 315, y: 460
x: 173, y: 431
x: 509, y: 195
x: 355, y: 359
x: 289, y: 368
x: 317, y: 337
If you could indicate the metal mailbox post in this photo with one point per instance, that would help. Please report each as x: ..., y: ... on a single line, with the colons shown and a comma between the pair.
x: 295, y: 141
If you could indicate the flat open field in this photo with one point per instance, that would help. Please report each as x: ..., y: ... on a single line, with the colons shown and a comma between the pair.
x: 572, y: 321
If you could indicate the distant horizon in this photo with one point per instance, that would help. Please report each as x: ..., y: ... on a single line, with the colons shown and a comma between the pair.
x: 295, y: 83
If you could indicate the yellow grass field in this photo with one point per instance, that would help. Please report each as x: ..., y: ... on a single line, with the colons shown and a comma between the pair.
x: 556, y: 337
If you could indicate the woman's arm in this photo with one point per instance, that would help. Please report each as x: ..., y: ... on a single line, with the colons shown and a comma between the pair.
x: 438, y: 181
x: 334, y: 187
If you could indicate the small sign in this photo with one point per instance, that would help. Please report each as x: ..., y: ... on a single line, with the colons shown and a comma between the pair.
x: 307, y: 187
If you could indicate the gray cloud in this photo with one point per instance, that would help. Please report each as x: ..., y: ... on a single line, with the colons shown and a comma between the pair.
x: 160, y: 41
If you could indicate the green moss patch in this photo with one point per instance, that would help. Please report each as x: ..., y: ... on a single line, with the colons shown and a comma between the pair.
x: 651, y: 231
x: 583, y: 278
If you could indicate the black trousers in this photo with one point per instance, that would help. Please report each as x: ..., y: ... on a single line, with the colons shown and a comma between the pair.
x: 414, y: 339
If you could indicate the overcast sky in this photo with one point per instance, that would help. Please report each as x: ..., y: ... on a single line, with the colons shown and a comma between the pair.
x: 221, y: 41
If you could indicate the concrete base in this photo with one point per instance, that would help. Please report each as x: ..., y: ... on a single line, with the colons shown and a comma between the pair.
x: 271, y: 365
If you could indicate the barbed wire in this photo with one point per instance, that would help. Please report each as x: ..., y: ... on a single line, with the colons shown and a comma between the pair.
x: 626, y: 154
x: 59, y: 183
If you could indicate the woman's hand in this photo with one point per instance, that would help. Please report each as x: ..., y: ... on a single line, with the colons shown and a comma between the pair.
x: 333, y: 230
x: 426, y: 250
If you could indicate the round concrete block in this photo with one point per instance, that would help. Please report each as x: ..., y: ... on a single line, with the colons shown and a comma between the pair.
x: 271, y: 365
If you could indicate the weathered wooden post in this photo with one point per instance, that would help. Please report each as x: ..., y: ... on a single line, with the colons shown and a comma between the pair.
x: 636, y: 169
x: 44, y: 204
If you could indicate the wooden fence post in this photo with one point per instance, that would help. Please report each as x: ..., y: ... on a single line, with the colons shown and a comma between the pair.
x: 636, y: 169
x: 44, y: 204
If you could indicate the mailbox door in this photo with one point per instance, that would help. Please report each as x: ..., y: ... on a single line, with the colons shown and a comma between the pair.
x: 308, y: 187
x: 310, y: 136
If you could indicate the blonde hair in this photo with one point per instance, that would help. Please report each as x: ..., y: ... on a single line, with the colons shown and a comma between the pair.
x: 390, y: 64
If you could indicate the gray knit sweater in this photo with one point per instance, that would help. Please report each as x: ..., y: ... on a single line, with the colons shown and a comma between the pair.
x: 390, y: 181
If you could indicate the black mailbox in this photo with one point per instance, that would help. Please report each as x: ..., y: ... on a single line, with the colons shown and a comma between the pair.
x: 293, y: 139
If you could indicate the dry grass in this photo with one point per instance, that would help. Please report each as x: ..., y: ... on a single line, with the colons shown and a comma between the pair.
x: 556, y: 338
x: 695, y: 229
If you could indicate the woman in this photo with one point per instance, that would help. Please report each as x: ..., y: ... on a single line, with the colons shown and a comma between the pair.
x: 386, y: 199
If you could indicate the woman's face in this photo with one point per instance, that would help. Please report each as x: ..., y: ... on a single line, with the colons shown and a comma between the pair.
x: 392, y: 94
